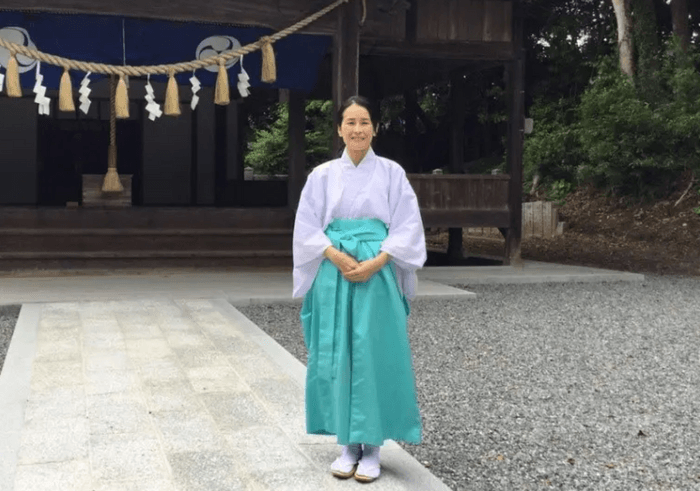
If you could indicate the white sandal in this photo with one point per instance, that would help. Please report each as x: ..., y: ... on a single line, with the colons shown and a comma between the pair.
x: 345, y: 466
x: 368, y: 469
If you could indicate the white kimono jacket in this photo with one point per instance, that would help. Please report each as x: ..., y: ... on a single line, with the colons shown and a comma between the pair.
x: 376, y: 188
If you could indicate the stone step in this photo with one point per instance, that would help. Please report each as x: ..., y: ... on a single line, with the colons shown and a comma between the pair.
x: 13, y: 261
x: 124, y: 240
x: 145, y: 217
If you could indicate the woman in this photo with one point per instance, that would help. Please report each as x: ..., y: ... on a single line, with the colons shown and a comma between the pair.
x: 358, y: 241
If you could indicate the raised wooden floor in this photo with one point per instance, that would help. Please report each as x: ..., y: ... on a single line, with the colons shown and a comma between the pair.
x: 149, y: 237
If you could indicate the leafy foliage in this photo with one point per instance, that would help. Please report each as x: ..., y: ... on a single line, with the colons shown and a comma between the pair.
x: 618, y: 139
x: 268, y: 151
x: 559, y: 190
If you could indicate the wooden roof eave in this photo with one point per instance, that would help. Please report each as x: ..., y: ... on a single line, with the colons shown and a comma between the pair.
x: 229, y: 12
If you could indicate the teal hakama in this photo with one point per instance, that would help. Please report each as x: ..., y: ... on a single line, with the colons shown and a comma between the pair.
x: 359, y: 381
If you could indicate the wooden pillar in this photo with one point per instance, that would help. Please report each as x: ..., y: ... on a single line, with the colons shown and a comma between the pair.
x: 455, y: 244
x: 346, y: 58
x: 206, y: 147
x: 297, y: 148
x: 234, y: 156
x: 411, y: 162
x: 515, y: 76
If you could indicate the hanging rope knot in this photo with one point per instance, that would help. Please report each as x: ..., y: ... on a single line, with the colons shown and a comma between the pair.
x: 221, y: 92
x: 172, y: 95
x: 65, y: 92
x: 264, y: 41
x: 112, y: 182
x: 269, y: 67
x: 14, y: 88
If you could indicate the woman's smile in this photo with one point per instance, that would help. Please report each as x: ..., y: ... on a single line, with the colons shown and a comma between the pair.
x: 356, y: 131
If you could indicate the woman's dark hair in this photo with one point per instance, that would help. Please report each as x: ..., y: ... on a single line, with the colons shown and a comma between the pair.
x: 360, y: 101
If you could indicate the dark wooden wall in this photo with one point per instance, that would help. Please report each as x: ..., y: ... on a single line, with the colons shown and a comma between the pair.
x: 466, y: 20
x: 18, y: 151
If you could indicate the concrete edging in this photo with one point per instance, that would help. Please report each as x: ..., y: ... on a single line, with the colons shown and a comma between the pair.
x: 15, y: 387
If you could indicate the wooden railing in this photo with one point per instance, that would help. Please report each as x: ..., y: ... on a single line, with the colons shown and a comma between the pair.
x: 462, y: 200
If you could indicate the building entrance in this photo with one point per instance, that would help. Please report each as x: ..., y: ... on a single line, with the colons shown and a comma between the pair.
x: 69, y: 148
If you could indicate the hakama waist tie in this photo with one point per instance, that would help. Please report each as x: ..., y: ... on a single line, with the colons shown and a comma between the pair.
x: 360, y: 383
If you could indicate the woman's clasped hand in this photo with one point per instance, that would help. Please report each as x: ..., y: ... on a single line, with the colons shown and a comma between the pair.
x: 351, y: 269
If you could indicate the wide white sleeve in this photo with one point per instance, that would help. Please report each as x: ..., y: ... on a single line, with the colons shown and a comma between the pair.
x: 309, y: 240
x: 405, y: 242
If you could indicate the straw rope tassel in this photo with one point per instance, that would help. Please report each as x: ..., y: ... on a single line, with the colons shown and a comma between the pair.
x: 14, y: 89
x: 222, y: 96
x: 121, y: 99
x: 65, y: 93
x: 269, y: 67
x: 172, y: 97
x: 112, y: 183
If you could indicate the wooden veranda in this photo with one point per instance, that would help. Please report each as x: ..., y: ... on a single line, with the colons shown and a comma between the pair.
x: 379, y: 48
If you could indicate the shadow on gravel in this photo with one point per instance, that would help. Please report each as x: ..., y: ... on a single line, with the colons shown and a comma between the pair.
x: 8, y: 319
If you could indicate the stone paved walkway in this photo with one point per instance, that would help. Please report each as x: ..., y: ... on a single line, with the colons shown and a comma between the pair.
x: 164, y: 395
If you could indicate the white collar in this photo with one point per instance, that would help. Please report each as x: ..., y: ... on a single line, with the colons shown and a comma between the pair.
x: 347, y: 161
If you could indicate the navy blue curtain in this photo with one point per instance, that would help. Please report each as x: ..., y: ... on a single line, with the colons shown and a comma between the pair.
x: 114, y: 40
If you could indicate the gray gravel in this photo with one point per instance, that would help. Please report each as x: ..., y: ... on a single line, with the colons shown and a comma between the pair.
x: 8, y: 319
x: 553, y: 386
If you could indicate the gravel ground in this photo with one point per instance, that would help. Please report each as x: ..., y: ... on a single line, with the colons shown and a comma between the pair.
x: 553, y: 386
x: 8, y: 319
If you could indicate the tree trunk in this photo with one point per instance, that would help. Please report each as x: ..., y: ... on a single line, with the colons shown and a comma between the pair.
x: 646, y: 46
x: 679, y: 11
x: 624, y: 35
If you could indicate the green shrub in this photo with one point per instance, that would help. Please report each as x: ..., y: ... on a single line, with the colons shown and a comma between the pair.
x: 559, y: 190
x: 553, y: 150
x: 635, y: 146
x: 615, y: 138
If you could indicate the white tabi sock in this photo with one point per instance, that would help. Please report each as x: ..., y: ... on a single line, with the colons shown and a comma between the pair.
x: 348, y: 458
x: 369, y: 463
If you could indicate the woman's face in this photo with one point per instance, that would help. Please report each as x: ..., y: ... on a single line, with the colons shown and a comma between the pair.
x: 356, y: 128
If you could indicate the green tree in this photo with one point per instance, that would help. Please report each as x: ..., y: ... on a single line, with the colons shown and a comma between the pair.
x: 268, y: 151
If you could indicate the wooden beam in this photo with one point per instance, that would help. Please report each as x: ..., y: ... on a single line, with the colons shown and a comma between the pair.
x: 466, y: 50
x: 346, y: 61
x: 297, y: 148
x: 273, y: 14
x: 412, y: 21
x: 515, y: 75
x: 455, y: 245
x: 465, y: 218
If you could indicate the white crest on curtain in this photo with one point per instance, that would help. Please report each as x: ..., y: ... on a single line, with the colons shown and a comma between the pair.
x: 20, y: 36
x: 216, y: 45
